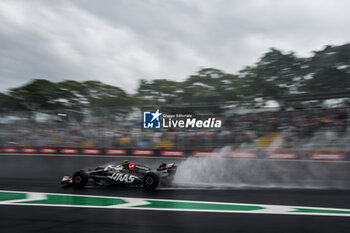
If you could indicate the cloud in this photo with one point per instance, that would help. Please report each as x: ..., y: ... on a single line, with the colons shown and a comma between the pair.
x: 65, y: 42
x: 120, y: 42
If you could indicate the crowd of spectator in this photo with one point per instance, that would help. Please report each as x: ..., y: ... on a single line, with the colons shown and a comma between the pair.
x: 296, y: 129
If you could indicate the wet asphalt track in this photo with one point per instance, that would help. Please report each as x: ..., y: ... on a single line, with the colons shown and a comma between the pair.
x: 41, y: 174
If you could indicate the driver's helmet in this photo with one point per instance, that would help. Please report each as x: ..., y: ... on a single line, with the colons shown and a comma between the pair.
x: 126, y: 164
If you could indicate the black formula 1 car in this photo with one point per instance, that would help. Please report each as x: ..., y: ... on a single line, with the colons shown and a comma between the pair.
x: 125, y: 174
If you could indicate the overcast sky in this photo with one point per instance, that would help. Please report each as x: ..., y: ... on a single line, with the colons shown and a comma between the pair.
x: 121, y: 42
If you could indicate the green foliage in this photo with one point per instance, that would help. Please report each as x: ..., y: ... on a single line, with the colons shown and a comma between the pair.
x: 8, y: 103
x: 276, y: 74
x: 38, y: 94
x: 107, y: 100
x: 69, y: 96
x: 160, y: 90
x: 329, y: 70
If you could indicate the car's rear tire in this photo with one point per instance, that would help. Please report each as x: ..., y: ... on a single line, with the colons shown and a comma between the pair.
x: 80, y: 179
x: 150, y: 181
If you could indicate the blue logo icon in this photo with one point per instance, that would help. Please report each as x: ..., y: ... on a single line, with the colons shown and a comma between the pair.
x: 151, y: 120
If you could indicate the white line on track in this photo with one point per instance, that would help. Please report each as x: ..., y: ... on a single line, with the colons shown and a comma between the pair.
x: 30, y: 197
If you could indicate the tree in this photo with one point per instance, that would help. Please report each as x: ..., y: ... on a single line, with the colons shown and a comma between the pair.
x: 71, y: 97
x: 38, y: 95
x: 107, y: 100
x: 160, y: 90
x: 8, y: 104
x: 329, y: 70
x: 276, y: 74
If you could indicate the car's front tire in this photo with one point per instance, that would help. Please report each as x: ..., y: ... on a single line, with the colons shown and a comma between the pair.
x: 80, y: 179
x: 150, y: 181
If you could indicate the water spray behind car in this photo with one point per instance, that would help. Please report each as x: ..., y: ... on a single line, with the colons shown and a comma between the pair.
x: 207, y: 171
x: 220, y: 172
